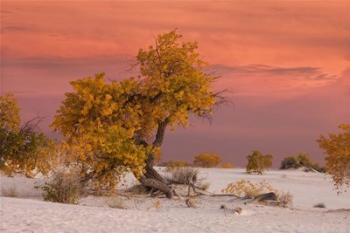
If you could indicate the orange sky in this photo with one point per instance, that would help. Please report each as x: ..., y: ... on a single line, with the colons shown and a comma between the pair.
x: 286, y: 63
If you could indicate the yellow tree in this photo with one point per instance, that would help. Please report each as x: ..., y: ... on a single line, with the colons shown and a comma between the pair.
x: 22, y: 149
x: 207, y: 160
x: 121, y: 125
x: 258, y: 163
x: 9, y: 112
x: 337, y: 149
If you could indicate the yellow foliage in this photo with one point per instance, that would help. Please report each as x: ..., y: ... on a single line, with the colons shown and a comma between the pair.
x: 22, y: 149
x: 110, y: 124
x: 227, y: 165
x: 206, y: 160
x: 258, y: 163
x: 9, y: 112
x: 337, y: 149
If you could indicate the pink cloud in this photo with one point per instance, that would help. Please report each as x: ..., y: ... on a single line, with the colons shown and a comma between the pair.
x: 286, y: 63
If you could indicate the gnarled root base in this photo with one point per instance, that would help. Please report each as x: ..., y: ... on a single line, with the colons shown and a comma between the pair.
x: 154, y: 181
x: 157, y: 185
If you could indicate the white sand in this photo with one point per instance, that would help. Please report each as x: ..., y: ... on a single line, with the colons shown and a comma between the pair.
x: 30, y: 214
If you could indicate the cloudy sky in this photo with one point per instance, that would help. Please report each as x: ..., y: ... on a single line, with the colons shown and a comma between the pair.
x: 285, y: 63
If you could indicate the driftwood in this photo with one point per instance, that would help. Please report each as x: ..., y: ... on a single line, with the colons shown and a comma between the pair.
x: 271, y: 196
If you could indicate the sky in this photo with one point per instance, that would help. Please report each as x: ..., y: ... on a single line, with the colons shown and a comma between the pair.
x: 286, y: 64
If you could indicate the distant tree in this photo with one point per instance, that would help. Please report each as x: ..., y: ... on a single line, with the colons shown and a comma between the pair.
x: 258, y: 163
x: 304, y: 160
x: 290, y: 162
x: 300, y: 160
x: 337, y: 149
x: 227, y: 165
x: 9, y: 112
x: 206, y: 160
x: 22, y: 149
x: 120, y: 125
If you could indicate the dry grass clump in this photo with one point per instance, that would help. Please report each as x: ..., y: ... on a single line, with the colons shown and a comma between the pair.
x: 249, y: 190
x: 64, y: 187
x: 137, y: 189
x: 157, y: 204
x: 175, y: 164
x: 188, y: 176
x: 9, y: 192
x: 184, y: 175
x: 285, y: 199
x: 191, y: 203
x: 116, y: 202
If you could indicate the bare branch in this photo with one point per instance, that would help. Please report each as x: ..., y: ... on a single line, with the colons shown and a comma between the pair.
x: 32, y: 123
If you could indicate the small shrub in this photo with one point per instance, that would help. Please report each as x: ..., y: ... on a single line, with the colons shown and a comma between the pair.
x: 300, y: 160
x: 290, y: 162
x: 248, y: 189
x: 320, y: 205
x: 191, y: 203
x: 137, y: 189
x: 9, y: 192
x: 227, y: 165
x: 336, y: 147
x: 115, y: 202
x: 285, y: 199
x: 206, y: 160
x: 188, y: 176
x: 157, y: 204
x: 258, y: 163
x: 185, y: 175
x: 64, y: 187
x: 174, y: 164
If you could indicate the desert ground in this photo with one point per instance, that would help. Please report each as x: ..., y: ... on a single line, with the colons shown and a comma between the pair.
x: 27, y: 212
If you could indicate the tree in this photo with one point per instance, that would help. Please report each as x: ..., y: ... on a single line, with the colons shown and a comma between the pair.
x: 9, y: 112
x: 300, y: 160
x: 207, y: 160
x: 290, y: 162
x: 120, y: 125
x: 22, y: 149
x: 258, y: 163
x: 337, y: 149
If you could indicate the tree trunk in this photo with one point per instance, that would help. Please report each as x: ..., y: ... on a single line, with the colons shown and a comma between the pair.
x: 151, y: 178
